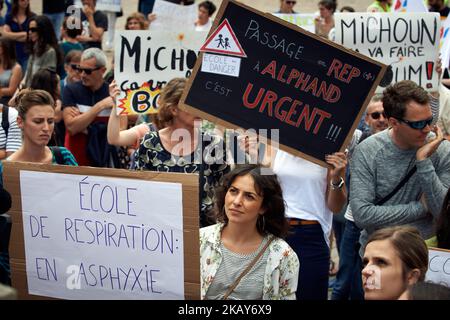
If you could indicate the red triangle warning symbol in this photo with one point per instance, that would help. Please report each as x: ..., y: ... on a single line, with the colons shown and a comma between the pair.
x: 223, y: 40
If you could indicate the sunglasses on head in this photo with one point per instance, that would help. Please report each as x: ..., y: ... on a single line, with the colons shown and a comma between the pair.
x: 418, y: 125
x: 85, y: 70
x: 376, y: 115
x: 33, y: 29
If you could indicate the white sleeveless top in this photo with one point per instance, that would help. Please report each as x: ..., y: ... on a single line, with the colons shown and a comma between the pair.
x: 304, y: 185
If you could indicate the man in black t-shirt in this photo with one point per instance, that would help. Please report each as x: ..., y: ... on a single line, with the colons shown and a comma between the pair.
x: 95, y: 23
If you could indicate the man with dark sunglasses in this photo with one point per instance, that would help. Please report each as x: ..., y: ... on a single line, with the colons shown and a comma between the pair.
x: 401, y: 175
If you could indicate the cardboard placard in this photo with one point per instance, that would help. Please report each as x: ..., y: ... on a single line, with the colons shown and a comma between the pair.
x: 438, y: 266
x: 408, y: 44
x: 97, y: 233
x: 145, y: 61
x: 312, y: 90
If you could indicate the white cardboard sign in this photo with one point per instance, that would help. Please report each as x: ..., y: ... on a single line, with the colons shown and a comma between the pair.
x: 92, y: 237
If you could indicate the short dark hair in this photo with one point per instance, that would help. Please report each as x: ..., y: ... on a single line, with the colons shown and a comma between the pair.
x: 398, y: 95
x: 443, y: 224
x: 408, y: 244
x: 268, y: 187
x: 428, y: 291
x: 208, y: 5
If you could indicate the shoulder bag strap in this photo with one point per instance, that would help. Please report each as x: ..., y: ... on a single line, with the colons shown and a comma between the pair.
x: 398, y: 187
x: 250, y: 265
x: 5, y: 120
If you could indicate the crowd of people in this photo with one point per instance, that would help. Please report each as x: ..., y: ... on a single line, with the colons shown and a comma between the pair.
x: 265, y: 228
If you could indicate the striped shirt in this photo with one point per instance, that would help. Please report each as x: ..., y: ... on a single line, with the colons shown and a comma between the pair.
x: 14, y: 140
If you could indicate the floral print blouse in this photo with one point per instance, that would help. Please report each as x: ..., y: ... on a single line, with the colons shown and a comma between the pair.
x: 281, y: 274
x: 209, y: 160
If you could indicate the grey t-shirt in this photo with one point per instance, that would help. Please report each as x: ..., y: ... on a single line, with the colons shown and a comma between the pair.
x: 378, y: 165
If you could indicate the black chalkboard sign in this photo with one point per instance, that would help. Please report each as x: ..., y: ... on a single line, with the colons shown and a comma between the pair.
x: 259, y: 72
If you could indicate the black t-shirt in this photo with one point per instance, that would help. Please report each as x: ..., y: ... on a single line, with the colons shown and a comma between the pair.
x: 101, y: 21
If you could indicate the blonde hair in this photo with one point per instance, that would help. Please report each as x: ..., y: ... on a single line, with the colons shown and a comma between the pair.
x: 170, y: 96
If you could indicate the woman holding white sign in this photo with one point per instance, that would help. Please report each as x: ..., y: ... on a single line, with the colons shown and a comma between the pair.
x: 244, y: 256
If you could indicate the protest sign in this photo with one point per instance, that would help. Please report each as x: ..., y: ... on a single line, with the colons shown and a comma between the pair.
x: 302, y: 20
x: 408, y: 44
x: 438, y: 266
x: 88, y: 233
x: 104, y: 5
x: 271, y: 74
x: 145, y: 61
x: 175, y: 17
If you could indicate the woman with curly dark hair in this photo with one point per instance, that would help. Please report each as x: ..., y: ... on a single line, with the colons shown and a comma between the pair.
x: 244, y: 256
x: 43, y: 47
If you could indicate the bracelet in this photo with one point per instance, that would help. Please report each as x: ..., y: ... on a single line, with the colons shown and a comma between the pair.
x: 337, y: 186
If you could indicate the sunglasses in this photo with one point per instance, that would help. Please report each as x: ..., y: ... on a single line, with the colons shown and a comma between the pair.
x: 33, y: 29
x: 376, y: 115
x: 418, y: 125
x: 85, y: 70
x: 291, y: 2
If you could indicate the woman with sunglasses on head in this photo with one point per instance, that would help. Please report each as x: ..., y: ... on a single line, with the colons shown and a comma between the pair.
x: 394, y: 259
x: 43, y: 47
x: 247, y: 242
x: 15, y: 28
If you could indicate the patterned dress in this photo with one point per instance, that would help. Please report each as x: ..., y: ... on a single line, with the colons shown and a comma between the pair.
x: 208, y: 160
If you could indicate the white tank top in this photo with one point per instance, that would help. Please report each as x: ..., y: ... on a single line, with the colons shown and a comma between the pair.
x: 304, y: 185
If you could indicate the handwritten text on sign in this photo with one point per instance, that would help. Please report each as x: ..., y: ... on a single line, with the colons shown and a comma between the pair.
x: 146, y: 61
x: 90, y: 237
x: 439, y: 267
x: 310, y: 89
x: 408, y: 44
